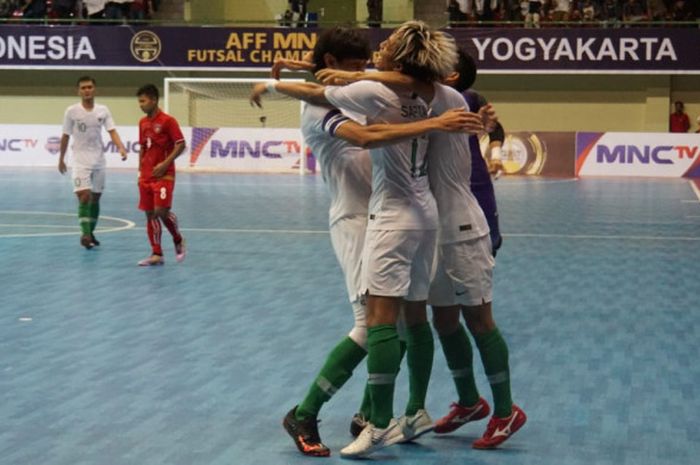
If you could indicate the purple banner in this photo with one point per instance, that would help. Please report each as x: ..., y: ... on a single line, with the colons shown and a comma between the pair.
x: 497, y: 50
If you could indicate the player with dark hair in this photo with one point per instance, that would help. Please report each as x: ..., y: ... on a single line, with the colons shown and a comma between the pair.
x: 84, y: 122
x: 463, y: 280
x: 161, y: 143
x: 481, y: 181
x: 346, y: 168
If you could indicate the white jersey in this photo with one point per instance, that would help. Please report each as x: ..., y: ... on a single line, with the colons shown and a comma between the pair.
x: 346, y: 169
x: 85, y: 128
x: 401, y: 197
x: 450, y: 169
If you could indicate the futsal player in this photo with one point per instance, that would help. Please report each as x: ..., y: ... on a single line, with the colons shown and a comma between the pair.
x: 84, y: 122
x: 346, y: 170
x: 161, y: 143
x: 463, y: 279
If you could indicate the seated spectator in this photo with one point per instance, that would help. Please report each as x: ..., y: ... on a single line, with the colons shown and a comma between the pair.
x: 117, y: 9
x: 561, y: 10
x: 511, y: 10
x: 611, y: 12
x: 94, y: 10
x: 682, y: 11
x: 7, y: 7
x: 455, y: 15
x: 485, y: 9
x: 33, y: 9
x: 140, y: 10
x: 656, y: 10
x: 698, y: 122
x: 534, y: 11
x: 63, y: 9
x: 589, y: 11
x: 633, y: 11
x: 298, y: 9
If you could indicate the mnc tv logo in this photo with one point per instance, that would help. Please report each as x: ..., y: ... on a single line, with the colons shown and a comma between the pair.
x: 645, y: 154
x: 254, y: 148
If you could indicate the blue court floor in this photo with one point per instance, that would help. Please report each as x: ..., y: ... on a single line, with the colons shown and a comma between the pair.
x: 104, y: 363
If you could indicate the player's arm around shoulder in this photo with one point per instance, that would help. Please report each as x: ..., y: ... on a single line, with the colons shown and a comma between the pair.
x: 378, y: 135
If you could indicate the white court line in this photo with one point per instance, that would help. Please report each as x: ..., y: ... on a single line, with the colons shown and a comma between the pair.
x: 126, y: 224
x: 179, y: 181
x: 690, y: 201
x: 594, y: 236
x: 531, y: 183
x: 254, y: 231
x: 533, y: 235
x: 39, y: 226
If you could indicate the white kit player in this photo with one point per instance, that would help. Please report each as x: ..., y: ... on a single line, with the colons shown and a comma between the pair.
x: 463, y: 279
x: 347, y: 172
x: 84, y: 122
x: 401, y: 233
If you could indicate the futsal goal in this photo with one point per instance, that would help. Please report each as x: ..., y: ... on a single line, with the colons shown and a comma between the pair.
x: 226, y: 133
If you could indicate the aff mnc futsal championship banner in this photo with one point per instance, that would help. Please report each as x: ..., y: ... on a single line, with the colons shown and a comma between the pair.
x: 637, y: 154
x: 235, y: 150
x: 496, y: 50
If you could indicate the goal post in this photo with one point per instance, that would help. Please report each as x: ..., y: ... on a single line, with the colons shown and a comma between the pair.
x: 228, y: 134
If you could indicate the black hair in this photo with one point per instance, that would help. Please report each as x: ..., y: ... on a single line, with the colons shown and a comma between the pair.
x: 149, y: 90
x: 86, y: 79
x: 343, y: 43
x: 466, y: 67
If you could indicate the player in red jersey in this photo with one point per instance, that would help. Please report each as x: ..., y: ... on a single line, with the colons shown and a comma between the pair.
x: 161, y: 143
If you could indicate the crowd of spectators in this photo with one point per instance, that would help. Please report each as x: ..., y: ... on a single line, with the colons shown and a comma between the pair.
x: 102, y: 11
x: 537, y: 13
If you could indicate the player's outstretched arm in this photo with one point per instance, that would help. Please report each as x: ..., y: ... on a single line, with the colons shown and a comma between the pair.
x: 114, y: 135
x: 377, y: 135
x: 307, y: 91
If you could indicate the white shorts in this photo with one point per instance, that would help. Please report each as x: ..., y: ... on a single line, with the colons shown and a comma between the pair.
x: 348, y: 239
x: 398, y: 263
x: 464, y: 274
x: 92, y: 179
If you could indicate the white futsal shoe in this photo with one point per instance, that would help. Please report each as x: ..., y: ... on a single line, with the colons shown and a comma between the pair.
x: 372, y: 439
x: 415, y: 426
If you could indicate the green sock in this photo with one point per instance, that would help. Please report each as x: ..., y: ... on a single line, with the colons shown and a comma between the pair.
x: 335, y: 372
x: 383, y: 360
x: 366, y: 406
x: 494, y: 355
x: 84, y: 218
x: 94, y: 212
x: 458, y: 353
x: 420, y: 348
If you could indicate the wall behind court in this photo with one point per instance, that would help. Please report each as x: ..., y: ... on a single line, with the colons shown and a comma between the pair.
x: 624, y: 103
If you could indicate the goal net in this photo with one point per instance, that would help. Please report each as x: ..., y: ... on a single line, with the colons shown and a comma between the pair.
x: 228, y: 134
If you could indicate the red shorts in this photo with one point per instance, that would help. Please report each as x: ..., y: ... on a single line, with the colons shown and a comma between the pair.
x: 156, y: 194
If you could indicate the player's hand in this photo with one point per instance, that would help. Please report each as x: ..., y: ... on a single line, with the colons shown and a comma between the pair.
x: 281, y: 64
x: 495, y: 167
x: 488, y: 117
x: 159, y: 170
x: 458, y: 120
x: 123, y: 154
x: 62, y: 168
x: 256, y: 94
x: 336, y: 77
